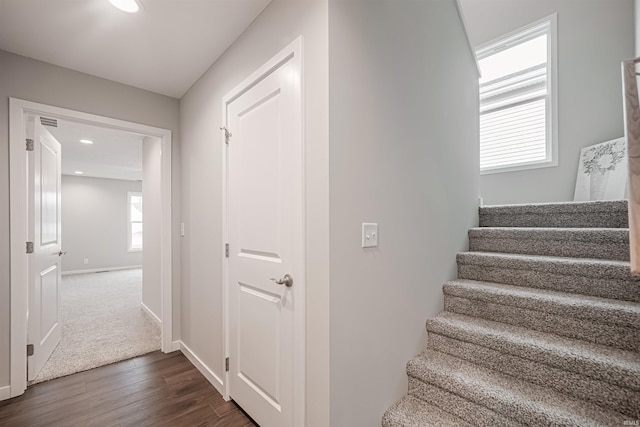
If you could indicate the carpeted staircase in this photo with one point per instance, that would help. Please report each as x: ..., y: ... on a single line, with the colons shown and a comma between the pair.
x: 542, y: 326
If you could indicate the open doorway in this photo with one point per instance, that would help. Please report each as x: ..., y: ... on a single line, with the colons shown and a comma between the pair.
x: 21, y: 210
x: 109, y: 302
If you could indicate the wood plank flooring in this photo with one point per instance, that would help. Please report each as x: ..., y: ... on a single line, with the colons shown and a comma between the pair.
x: 156, y: 389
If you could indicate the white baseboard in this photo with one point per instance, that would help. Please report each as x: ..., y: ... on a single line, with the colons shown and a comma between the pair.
x: 5, y: 392
x: 175, y: 346
x: 151, y: 313
x: 96, y: 270
x: 204, y: 370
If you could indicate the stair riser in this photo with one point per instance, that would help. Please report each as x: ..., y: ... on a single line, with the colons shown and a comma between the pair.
x: 573, y: 249
x: 601, y: 393
x: 471, y: 412
x: 621, y: 337
x: 569, y: 220
x: 487, y: 400
x: 606, y: 288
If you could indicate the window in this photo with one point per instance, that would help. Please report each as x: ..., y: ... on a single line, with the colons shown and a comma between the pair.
x: 518, y: 99
x: 134, y: 204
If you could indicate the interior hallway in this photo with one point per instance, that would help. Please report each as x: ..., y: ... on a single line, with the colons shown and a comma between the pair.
x: 156, y: 389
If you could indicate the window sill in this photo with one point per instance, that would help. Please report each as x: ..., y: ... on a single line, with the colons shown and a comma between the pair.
x: 523, y: 167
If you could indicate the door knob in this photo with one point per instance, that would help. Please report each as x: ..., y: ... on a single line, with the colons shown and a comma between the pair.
x: 287, y: 280
x: 61, y: 253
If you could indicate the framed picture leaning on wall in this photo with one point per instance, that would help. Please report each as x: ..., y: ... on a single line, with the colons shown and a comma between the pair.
x: 602, y: 172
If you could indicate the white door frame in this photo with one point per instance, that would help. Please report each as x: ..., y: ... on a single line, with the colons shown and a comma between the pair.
x: 18, y: 109
x: 294, y: 49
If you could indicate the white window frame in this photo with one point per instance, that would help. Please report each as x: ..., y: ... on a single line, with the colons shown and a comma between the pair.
x: 131, y: 194
x: 551, y: 114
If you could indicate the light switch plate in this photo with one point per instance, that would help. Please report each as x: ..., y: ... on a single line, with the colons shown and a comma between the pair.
x: 369, y: 234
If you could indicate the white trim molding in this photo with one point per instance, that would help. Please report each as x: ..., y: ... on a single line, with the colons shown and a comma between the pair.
x: 151, y: 314
x: 204, y: 369
x: 100, y: 270
x: 18, y: 216
x: 472, y: 50
x: 5, y: 392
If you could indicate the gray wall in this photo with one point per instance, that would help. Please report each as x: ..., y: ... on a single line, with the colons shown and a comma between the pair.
x: 403, y: 132
x: 152, y: 224
x: 594, y: 36
x: 636, y: 21
x: 37, y: 81
x: 200, y: 113
x: 94, y: 223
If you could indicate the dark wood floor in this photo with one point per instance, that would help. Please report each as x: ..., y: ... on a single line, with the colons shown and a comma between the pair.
x: 152, y: 390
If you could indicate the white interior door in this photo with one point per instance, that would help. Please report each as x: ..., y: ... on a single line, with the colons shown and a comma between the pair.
x: 44, y: 321
x: 264, y: 211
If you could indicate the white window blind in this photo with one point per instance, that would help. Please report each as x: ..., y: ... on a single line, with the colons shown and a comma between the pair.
x: 515, y: 100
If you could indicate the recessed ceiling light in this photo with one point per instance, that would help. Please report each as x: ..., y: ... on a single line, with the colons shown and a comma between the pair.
x: 86, y: 141
x: 78, y: 172
x: 129, y: 6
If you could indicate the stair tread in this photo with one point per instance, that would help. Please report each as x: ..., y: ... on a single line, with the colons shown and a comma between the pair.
x: 546, y: 258
x: 524, y: 401
x: 600, y: 362
x: 411, y: 411
x: 609, y: 235
x: 605, y: 206
x: 605, y: 310
x: 602, y: 268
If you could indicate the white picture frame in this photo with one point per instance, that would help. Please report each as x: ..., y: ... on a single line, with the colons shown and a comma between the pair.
x: 602, y: 171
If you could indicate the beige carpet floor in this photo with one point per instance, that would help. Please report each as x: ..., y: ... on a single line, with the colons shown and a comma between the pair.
x: 102, y: 323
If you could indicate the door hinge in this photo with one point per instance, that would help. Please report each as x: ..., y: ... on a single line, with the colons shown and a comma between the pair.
x: 226, y: 250
x: 29, y: 247
x: 29, y: 144
x: 226, y: 364
x: 29, y: 349
x: 227, y: 134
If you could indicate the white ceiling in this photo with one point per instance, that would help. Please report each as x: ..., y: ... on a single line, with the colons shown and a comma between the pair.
x: 114, y: 154
x: 164, y: 48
